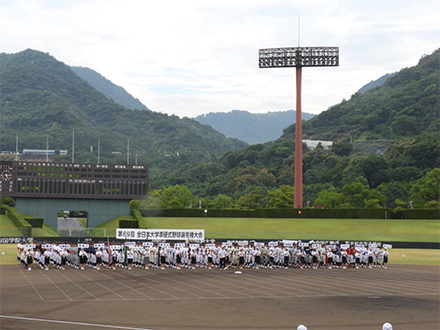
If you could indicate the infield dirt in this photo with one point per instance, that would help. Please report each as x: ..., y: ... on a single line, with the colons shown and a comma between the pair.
x: 406, y: 296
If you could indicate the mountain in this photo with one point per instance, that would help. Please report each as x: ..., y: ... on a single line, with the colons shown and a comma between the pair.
x: 42, y: 100
x: 106, y: 87
x: 384, y: 141
x: 252, y: 128
x: 375, y: 83
x: 407, y: 104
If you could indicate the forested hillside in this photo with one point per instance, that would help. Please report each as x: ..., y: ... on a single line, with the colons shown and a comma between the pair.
x: 106, y: 87
x: 394, y: 148
x: 42, y: 99
x: 385, y: 152
x: 252, y: 128
x: 405, y: 105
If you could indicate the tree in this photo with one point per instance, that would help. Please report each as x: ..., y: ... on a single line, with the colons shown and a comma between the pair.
x: 330, y: 198
x: 342, y: 149
x: 373, y: 167
x: 175, y: 197
x: 153, y: 200
x: 280, y: 198
x: 222, y: 201
x: 426, y: 190
x: 355, y: 194
x: 7, y: 201
x: 249, y: 201
x: 266, y: 178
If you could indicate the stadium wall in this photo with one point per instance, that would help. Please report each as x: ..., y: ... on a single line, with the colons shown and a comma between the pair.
x: 99, y: 211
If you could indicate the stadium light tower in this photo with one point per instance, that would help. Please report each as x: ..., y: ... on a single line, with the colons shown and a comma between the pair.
x: 298, y: 57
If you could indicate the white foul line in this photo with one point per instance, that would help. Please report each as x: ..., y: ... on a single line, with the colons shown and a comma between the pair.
x: 68, y: 322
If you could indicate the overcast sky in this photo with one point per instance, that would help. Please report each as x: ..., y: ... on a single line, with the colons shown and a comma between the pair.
x: 191, y: 57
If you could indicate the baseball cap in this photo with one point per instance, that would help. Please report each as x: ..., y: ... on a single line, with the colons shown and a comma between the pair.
x: 301, y: 327
x: 387, y: 326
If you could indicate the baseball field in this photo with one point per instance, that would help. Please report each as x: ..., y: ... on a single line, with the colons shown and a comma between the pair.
x: 406, y: 294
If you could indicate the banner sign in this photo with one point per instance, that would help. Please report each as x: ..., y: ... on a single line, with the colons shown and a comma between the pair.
x: 210, y: 246
x: 130, y: 243
x: 194, y: 246
x: 288, y: 242
x: 243, y: 243
x: 83, y: 245
x: 159, y: 234
x: 372, y: 245
x: 226, y: 244
x: 30, y: 246
x: 181, y: 245
x: 164, y: 245
x: 115, y: 247
x: 316, y: 246
x: 64, y: 246
x: 258, y: 244
x: 99, y: 245
x: 345, y: 246
x: 273, y: 243
x: 46, y: 246
x: 303, y: 244
x: 149, y: 244
x: 387, y: 246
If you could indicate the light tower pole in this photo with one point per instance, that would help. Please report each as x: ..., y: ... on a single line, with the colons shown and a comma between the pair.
x: 298, y: 57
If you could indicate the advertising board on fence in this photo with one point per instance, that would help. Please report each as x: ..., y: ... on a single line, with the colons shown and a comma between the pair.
x: 160, y: 234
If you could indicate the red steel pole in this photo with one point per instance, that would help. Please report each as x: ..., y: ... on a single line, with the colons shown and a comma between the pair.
x: 298, y: 199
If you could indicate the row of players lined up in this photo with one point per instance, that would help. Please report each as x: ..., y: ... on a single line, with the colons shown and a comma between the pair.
x: 283, y: 254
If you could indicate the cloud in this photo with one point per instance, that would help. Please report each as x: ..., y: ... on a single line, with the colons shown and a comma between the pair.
x: 192, y: 57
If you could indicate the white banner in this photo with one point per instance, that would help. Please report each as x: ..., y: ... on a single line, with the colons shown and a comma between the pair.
x: 181, y: 245
x: 303, y: 244
x: 345, y: 246
x: 115, y: 247
x: 99, y: 245
x: 149, y: 244
x: 30, y: 246
x: 243, y: 243
x: 210, y: 246
x: 273, y: 243
x: 258, y: 244
x: 194, y: 246
x: 159, y: 234
x: 316, y: 246
x: 83, y: 245
x: 130, y: 243
x: 387, y: 246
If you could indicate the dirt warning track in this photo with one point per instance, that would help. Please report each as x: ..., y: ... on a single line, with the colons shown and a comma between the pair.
x: 406, y: 296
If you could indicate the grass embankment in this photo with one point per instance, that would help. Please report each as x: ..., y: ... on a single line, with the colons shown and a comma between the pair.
x: 397, y: 256
x: 325, y: 229
x: 8, y: 229
x: 108, y: 228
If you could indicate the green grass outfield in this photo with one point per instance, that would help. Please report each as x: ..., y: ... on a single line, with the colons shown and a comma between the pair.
x: 325, y: 229
x: 8, y: 256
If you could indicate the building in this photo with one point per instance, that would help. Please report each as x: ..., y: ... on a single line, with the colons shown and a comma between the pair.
x: 42, y: 189
x: 312, y: 144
